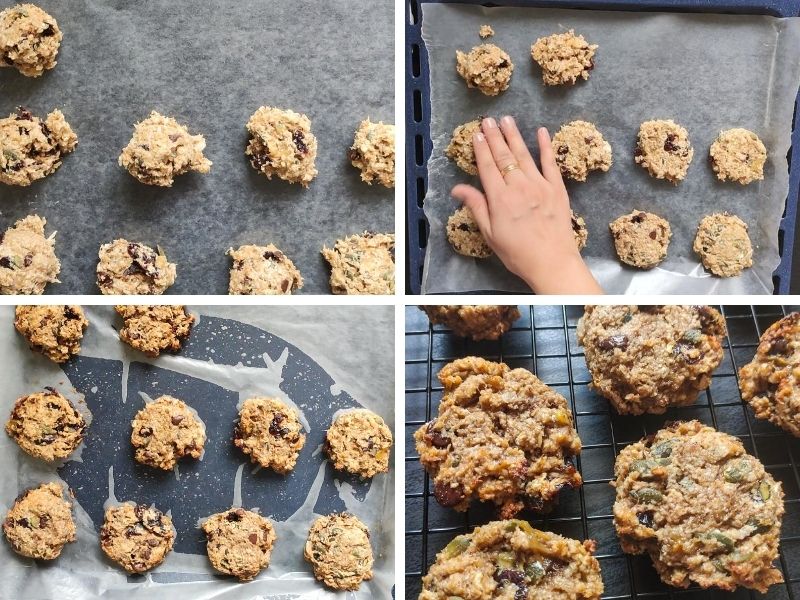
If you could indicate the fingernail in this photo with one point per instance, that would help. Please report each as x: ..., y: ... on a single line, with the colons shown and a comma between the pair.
x: 507, y: 120
x: 543, y: 130
x: 479, y: 137
x: 489, y: 123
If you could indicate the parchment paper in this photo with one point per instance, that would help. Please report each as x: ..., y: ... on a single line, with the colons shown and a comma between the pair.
x: 706, y: 72
x: 313, y: 358
x: 210, y: 65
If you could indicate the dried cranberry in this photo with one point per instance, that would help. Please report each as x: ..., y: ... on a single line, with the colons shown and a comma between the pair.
x: 447, y: 495
x: 613, y: 341
x: 669, y: 144
x: 435, y: 438
x: 299, y: 141
x: 275, y: 426
x: 779, y: 346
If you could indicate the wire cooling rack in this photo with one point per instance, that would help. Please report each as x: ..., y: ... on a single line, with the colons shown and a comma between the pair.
x: 543, y: 341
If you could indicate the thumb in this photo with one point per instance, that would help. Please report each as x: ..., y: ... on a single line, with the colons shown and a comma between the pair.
x: 474, y: 200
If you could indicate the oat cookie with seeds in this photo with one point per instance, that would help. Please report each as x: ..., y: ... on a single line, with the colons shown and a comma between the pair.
x: 29, y: 39
x: 137, y: 537
x: 262, y: 270
x: 40, y: 522
x: 641, y: 239
x: 580, y: 148
x: 738, y: 155
x: 338, y: 549
x: 281, y: 143
x: 723, y: 244
x: 154, y: 329
x: 460, y: 148
x: 564, y: 57
x: 663, y: 149
x: 359, y: 442
x: 486, y: 67
x: 270, y: 432
x: 131, y: 268
x: 362, y: 264
x: 482, y: 322
x: 54, y: 330
x: 165, y: 431
x: 239, y: 542
x: 464, y: 235
x: 373, y: 152
x: 28, y: 260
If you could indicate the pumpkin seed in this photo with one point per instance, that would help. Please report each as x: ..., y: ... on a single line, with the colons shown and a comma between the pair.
x: 723, y: 539
x: 457, y: 546
x: 764, y: 490
x: 534, y: 571
x: 506, y: 560
x: 647, y: 495
x: 693, y: 336
x: 662, y: 449
x: 736, y: 472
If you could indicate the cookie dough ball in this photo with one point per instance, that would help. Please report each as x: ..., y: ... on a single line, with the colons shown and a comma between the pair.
x: 359, y: 442
x: 131, y: 268
x: 362, y: 264
x: 723, y: 244
x: 165, y: 431
x: 262, y: 270
x: 486, y: 31
x: 54, y: 330
x: 663, y: 149
x: 645, y: 359
x: 476, y: 322
x: 641, y: 239
x: 28, y: 260
x: 703, y: 509
x: 738, y: 155
x: 338, y: 548
x: 270, y: 432
x: 239, y: 542
x: 460, y: 148
x: 563, y: 57
x: 510, y: 559
x: 32, y: 149
x: 281, y: 143
x: 40, y: 523
x: 137, y: 537
x: 154, y: 329
x: 579, y: 230
x: 579, y: 148
x: 501, y: 436
x: 770, y: 383
x: 373, y: 153
x: 485, y: 67
x: 46, y: 425
x: 29, y: 39
x: 464, y: 235
x: 161, y: 149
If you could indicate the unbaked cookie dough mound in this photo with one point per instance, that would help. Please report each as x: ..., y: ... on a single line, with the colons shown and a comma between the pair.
x: 29, y: 39
x: 338, y: 548
x: 359, y: 442
x: 703, y: 509
x: 262, y: 270
x: 641, y: 239
x: 362, y: 264
x: 645, y: 359
x: 501, y: 436
x: 40, y: 523
x: 165, y: 431
x: 580, y: 148
x: 486, y: 322
x: 281, y: 143
x: 563, y: 57
x: 663, y: 149
x: 46, y: 425
x: 723, y: 244
x: 373, y: 153
x: 54, y: 330
x: 28, y: 260
x: 464, y: 235
x: 460, y: 148
x: 154, y: 329
x: 239, y: 542
x: 579, y: 230
x: 270, y: 432
x: 32, y: 149
x: 770, y: 383
x: 511, y: 560
x: 738, y: 155
x: 485, y: 67
x: 136, y: 537
x: 131, y: 268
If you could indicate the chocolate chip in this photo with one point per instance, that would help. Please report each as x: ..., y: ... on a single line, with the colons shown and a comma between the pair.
x: 176, y: 419
x: 447, y: 495
x: 299, y: 141
x: 235, y: 515
x: 435, y: 438
x: 145, y: 432
x: 48, y: 31
x: 638, y: 218
x: 273, y: 255
x: 653, y: 234
x: 275, y: 426
x: 779, y: 346
x: 669, y: 145
x: 613, y: 341
x: 562, y: 150
x: 253, y: 537
x: 5, y: 262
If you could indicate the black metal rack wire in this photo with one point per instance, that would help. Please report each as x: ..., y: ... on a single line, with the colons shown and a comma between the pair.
x: 544, y: 342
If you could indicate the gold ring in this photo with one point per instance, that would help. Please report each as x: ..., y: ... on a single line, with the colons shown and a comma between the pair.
x: 507, y: 169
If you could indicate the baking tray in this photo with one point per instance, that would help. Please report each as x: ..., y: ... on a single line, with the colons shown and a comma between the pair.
x: 543, y: 341
x: 418, y: 109
x: 210, y: 65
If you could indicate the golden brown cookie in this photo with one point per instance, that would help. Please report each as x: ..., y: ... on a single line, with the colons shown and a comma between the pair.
x: 641, y: 239
x: 580, y: 148
x: 239, y: 542
x: 486, y: 322
x: 464, y: 235
x: 723, y: 244
x: 40, y: 523
x: 165, y: 431
x: 339, y: 550
x: 54, y: 330
x: 137, y: 537
x: 663, y: 149
x: 270, y: 432
x: 359, y: 442
x: 154, y: 329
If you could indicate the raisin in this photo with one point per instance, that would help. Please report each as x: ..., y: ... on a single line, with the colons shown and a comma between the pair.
x: 576, y: 227
x: 70, y: 313
x: 176, y: 419
x: 653, y: 234
x: 152, y: 543
x: 779, y: 346
x: 134, y: 269
x: 48, y: 31
x: 683, y: 350
x: 23, y: 522
x: 275, y: 426
x: 23, y: 114
x: 5, y: 262
x: 253, y: 537
x: 299, y: 141
x: 503, y: 64
x: 436, y: 439
x: 638, y: 151
x: 645, y: 518
x: 46, y: 439
x: 613, y: 341
x: 464, y: 227
x: 260, y: 159
x: 103, y: 279
x: 276, y: 256
x: 638, y: 218
x: 235, y: 515
x: 43, y: 521
x: 446, y: 495
x: 562, y: 150
x: 354, y: 155
x: 591, y: 64
x: 145, y: 431
x: 517, y: 578
x: 669, y: 144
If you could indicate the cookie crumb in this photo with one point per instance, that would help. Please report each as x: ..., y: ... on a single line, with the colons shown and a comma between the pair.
x: 486, y: 31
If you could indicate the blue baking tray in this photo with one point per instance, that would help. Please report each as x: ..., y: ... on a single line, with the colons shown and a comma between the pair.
x: 418, y: 114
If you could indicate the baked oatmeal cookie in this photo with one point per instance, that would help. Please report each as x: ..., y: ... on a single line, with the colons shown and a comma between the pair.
x: 136, y: 537
x: 40, y: 523
x: 29, y: 39
x: 362, y: 264
x: 131, y: 268
x: 154, y: 329
x: 28, y: 260
x: 239, y: 542
x: 54, y: 330
x: 372, y: 153
x: 485, y: 67
x: 738, y: 155
x: 502, y: 436
x: 485, y: 322
x: 165, y: 431
x: 511, y: 560
x: 703, y: 509
x: 723, y: 244
x: 464, y: 235
x: 641, y: 239
x: 580, y: 148
x: 270, y: 432
x: 663, y: 149
x: 338, y: 549
x: 262, y: 270
x: 460, y: 148
x: 645, y: 359
x: 359, y: 442
x: 563, y: 57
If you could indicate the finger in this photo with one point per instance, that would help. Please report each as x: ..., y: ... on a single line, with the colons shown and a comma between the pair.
x: 491, y: 180
x: 501, y: 153
x: 550, y: 169
x: 474, y: 200
x: 518, y: 148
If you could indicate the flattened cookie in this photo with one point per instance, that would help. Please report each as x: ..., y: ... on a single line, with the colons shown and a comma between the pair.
x: 56, y: 331
x: 154, y: 329
x: 477, y: 322
x: 28, y: 260
x: 723, y: 244
x: 339, y: 550
x: 359, y: 442
x: 500, y: 436
x: 645, y: 359
x: 262, y: 270
x: 29, y: 39
x: 460, y: 148
x: 373, y: 153
x: 512, y: 560
x: 137, y: 537
x: 663, y: 149
x: 131, y: 268
x: 464, y: 235
x: 641, y: 239
x: 485, y: 67
x: 362, y: 264
x: 239, y: 542
x: 563, y: 57
x: 738, y: 155
x: 270, y: 432
x: 46, y: 425
x: 703, y: 509
x: 281, y: 143
x: 165, y: 431
x: 580, y: 148
x: 40, y: 523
